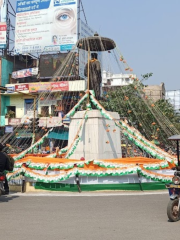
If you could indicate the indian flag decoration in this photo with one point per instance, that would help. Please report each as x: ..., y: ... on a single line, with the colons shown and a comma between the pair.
x: 51, y: 170
x: 135, y: 136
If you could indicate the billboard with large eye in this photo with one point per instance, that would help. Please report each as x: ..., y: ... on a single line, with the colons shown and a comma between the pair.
x: 45, y: 26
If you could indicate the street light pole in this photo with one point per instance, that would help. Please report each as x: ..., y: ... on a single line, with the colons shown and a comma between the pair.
x: 178, y: 153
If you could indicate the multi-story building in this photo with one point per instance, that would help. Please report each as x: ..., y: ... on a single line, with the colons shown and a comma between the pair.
x: 53, y: 97
x: 6, y: 68
x: 112, y: 81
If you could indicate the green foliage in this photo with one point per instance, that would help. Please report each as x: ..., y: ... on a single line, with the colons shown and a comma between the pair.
x: 130, y: 102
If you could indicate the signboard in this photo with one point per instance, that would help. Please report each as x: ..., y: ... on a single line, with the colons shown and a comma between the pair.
x: 14, y: 121
x: 60, y: 86
x: 25, y: 73
x: 49, y: 86
x: 8, y: 129
x: 10, y: 89
x: 39, y: 87
x: 22, y: 87
x: 3, y: 28
x: 47, y: 102
x: 50, y: 122
x: 24, y: 134
x: 45, y: 26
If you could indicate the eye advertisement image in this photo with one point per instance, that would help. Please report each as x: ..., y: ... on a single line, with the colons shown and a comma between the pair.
x: 45, y: 26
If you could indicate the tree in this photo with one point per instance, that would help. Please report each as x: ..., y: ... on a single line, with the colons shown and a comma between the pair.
x: 154, y: 120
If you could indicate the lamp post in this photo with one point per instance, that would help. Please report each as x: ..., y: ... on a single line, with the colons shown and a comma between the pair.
x: 176, y: 138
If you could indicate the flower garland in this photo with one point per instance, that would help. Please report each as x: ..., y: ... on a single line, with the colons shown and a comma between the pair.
x: 155, y: 166
x: 53, y: 155
x: 73, y: 110
x: 130, y: 134
x: 40, y: 141
x: 77, y: 138
x: 64, y: 175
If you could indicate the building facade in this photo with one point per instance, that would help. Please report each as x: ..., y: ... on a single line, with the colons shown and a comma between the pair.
x: 155, y: 92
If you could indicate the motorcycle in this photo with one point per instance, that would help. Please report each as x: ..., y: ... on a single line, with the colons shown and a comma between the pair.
x: 173, y: 208
x: 2, y: 180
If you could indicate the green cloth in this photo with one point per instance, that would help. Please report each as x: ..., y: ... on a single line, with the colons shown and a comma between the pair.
x: 99, y: 187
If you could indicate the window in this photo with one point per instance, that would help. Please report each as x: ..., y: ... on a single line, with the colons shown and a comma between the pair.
x: 45, y: 111
x: 11, y: 112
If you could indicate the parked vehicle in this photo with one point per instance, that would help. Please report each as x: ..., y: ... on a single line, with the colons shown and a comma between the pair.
x: 2, y: 180
x: 173, y: 208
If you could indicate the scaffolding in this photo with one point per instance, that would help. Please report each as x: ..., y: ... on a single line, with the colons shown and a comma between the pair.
x: 174, y: 97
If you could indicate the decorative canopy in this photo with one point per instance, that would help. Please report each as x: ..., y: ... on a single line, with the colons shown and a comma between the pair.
x: 174, y: 137
x: 96, y: 43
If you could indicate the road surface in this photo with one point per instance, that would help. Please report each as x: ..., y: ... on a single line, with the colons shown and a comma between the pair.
x: 87, y: 216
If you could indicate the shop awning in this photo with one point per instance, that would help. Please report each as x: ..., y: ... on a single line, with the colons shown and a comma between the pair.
x: 59, y: 135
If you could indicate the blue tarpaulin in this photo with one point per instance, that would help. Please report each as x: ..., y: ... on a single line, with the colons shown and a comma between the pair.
x: 59, y: 135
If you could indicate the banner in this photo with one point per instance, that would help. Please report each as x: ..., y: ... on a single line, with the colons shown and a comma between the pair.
x: 25, y: 73
x: 49, y: 86
x: 50, y: 122
x: 45, y: 26
x: 14, y: 121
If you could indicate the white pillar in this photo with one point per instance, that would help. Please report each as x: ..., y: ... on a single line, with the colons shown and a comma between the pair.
x: 101, y: 139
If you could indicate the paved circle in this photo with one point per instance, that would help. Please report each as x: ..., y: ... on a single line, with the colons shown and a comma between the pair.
x: 119, y: 216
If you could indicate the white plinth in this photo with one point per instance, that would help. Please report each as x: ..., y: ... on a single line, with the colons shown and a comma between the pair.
x: 98, y: 141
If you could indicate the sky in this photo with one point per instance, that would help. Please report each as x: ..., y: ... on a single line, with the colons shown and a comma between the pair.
x: 147, y: 32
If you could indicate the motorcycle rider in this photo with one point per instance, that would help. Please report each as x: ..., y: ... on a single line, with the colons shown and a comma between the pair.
x: 4, y: 166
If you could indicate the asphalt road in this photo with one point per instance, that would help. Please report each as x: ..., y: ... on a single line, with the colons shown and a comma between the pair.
x: 121, y: 217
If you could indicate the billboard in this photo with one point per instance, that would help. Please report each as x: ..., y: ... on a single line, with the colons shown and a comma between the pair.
x: 45, y: 26
x: 3, y: 11
x: 50, y: 63
x: 3, y: 25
